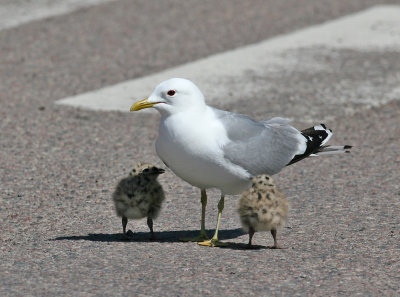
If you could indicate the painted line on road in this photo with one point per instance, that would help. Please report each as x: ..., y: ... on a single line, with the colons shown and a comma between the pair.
x: 375, y: 29
x: 15, y: 13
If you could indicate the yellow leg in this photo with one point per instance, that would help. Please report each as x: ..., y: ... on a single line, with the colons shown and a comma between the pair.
x: 214, y: 240
x: 203, y: 235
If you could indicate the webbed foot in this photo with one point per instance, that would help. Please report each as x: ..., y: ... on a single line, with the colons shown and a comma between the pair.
x: 213, y: 243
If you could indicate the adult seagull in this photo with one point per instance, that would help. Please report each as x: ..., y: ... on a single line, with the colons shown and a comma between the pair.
x: 213, y: 148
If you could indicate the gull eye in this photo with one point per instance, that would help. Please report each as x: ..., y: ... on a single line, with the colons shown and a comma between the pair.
x: 171, y: 92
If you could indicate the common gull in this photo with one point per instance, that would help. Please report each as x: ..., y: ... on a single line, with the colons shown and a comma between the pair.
x: 213, y: 148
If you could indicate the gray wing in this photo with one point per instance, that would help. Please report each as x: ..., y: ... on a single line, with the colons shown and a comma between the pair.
x: 260, y: 147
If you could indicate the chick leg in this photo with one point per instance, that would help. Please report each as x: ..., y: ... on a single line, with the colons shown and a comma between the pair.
x: 275, y: 246
x: 214, y: 241
x: 251, y: 233
x: 128, y: 234
x: 150, y: 224
x: 124, y: 223
x: 203, y: 235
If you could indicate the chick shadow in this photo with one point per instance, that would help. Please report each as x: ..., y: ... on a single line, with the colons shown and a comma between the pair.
x: 243, y: 246
x: 162, y: 236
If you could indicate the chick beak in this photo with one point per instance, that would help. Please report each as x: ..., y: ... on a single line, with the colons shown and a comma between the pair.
x: 160, y: 170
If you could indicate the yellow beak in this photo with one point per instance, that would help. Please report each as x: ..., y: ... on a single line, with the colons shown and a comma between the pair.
x: 142, y: 104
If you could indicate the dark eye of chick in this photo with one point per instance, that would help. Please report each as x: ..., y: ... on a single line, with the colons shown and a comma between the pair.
x: 171, y: 92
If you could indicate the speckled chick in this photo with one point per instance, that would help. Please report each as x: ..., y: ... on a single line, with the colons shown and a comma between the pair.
x: 263, y: 207
x: 139, y: 195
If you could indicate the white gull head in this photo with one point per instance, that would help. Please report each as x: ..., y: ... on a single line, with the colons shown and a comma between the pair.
x: 174, y: 95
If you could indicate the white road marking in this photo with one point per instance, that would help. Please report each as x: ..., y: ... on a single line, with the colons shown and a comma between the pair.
x: 377, y: 28
x: 17, y: 12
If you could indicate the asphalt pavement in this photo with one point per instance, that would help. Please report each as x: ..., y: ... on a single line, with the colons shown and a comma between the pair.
x: 59, y: 164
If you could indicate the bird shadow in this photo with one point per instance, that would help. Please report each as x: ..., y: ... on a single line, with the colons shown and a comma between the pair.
x: 163, y: 236
x: 243, y: 246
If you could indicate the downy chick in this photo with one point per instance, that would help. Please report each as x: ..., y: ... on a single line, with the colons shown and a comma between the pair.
x: 263, y: 207
x: 139, y: 195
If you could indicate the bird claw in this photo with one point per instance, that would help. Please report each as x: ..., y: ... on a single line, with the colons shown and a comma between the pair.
x: 277, y: 247
x: 213, y: 243
x: 128, y: 235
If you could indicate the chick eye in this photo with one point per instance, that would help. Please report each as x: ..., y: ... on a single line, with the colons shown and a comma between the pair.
x: 171, y: 92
